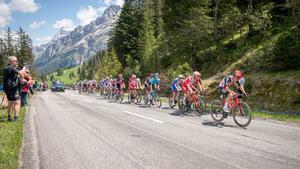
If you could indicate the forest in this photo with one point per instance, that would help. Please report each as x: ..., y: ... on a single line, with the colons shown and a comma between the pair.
x: 172, y: 37
x: 17, y: 44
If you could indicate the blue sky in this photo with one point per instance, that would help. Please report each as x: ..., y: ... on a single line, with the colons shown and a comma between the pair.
x: 42, y: 18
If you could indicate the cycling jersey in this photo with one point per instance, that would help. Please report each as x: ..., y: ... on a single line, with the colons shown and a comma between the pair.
x: 132, y: 83
x: 154, y: 81
x: 175, y: 84
x: 120, y: 83
x: 190, y: 81
x: 229, y: 81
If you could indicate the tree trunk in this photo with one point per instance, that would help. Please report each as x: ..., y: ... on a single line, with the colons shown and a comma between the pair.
x: 216, y: 20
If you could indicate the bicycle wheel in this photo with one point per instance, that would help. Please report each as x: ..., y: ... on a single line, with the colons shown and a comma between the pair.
x: 181, y: 105
x: 216, y: 111
x: 171, y: 102
x: 121, y: 97
x: 157, y: 101
x: 139, y: 97
x: 242, y: 115
x: 199, y: 106
x: 129, y: 98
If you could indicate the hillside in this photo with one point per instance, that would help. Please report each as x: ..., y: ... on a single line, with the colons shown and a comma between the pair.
x: 65, y: 77
x: 261, y: 38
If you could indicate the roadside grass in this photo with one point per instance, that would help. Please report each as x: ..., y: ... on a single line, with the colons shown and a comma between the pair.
x: 11, y: 138
x: 277, y: 116
x: 65, y: 77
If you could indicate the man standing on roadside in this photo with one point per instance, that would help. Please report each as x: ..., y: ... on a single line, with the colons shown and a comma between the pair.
x: 11, y: 87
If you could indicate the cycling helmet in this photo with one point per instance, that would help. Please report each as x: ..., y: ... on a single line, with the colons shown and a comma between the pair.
x: 156, y: 74
x: 238, y: 74
x: 196, y: 73
x: 133, y: 76
x: 180, y: 77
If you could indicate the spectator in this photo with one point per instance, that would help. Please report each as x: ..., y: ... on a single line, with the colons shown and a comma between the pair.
x: 1, y: 87
x: 11, y: 87
x: 25, y: 90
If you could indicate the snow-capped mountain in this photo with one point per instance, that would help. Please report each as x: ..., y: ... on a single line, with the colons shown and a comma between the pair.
x: 61, y: 33
x: 71, y: 48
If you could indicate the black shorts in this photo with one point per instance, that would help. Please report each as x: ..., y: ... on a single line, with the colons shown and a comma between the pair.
x: 13, y: 94
x: 223, y: 92
x: 118, y: 86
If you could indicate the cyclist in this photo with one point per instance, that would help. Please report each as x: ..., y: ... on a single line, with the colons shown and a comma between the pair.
x: 238, y: 81
x: 190, y: 85
x: 120, y: 84
x: 147, y: 84
x: 132, y: 85
x: 155, y: 82
x: 139, y: 85
x: 113, y: 86
x: 176, y: 86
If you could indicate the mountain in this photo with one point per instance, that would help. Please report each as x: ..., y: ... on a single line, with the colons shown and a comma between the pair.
x: 61, y: 33
x: 68, y: 49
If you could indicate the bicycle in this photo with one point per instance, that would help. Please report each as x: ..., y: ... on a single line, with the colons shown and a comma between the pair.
x: 119, y: 95
x: 241, y: 112
x: 173, y: 102
x: 134, y: 96
x: 198, y: 104
x: 153, y: 99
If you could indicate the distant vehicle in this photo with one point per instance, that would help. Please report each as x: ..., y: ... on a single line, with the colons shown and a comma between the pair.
x: 58, y: 87
x: 45, y: 86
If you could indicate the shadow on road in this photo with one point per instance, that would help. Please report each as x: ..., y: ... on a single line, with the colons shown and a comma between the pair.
x: 217, y: 124
x: 182, y: 114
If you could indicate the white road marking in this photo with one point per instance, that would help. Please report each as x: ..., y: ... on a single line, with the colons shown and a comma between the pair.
x: 144, y: 117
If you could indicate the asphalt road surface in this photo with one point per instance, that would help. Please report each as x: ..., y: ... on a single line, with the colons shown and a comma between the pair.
x: 68, y: 130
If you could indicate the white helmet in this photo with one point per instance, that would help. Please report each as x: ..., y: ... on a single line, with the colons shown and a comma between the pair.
x: 180, y: 77
x: 196, y: 73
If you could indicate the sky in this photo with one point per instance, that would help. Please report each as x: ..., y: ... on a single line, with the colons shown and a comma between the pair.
x: 43, y: 18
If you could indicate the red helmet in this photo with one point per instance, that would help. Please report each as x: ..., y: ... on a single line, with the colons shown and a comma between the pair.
x: 238, y: 74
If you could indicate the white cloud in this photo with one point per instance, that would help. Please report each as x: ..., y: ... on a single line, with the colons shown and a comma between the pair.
x: 113, y: 2
x: 6, y: 9
x: 24, y: 6
x: 65, y: 23
x: 5, y: 14
x: 35, y: 24
x: 86, y: 15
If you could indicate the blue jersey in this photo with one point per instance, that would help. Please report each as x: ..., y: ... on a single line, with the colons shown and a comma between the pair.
x: 154, y: 81
x: 175, y: 84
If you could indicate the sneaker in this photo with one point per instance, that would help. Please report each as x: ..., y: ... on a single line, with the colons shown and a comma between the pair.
x: 9, y: 119
x: 225, y: 108
x: 16, y: 119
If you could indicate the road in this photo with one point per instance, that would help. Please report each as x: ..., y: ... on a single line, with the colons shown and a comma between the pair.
x: 68, y: 130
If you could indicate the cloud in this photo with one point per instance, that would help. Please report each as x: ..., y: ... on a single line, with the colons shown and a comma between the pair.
x: 86, y: 15
x: 43, y: 40
x: 6, y: 9
x: 65, y: 23
x: 113, y: 2
x: 5, y: 14
x: 24, y: 6
x: 35, y: 24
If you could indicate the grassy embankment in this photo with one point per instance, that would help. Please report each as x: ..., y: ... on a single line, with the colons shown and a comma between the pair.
x: 11, y: 138
x: 65, y: 78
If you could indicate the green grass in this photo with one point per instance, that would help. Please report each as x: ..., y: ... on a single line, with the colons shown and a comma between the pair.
x: 65, y: 77
x: 11, y: 137
x: 280, y: 117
